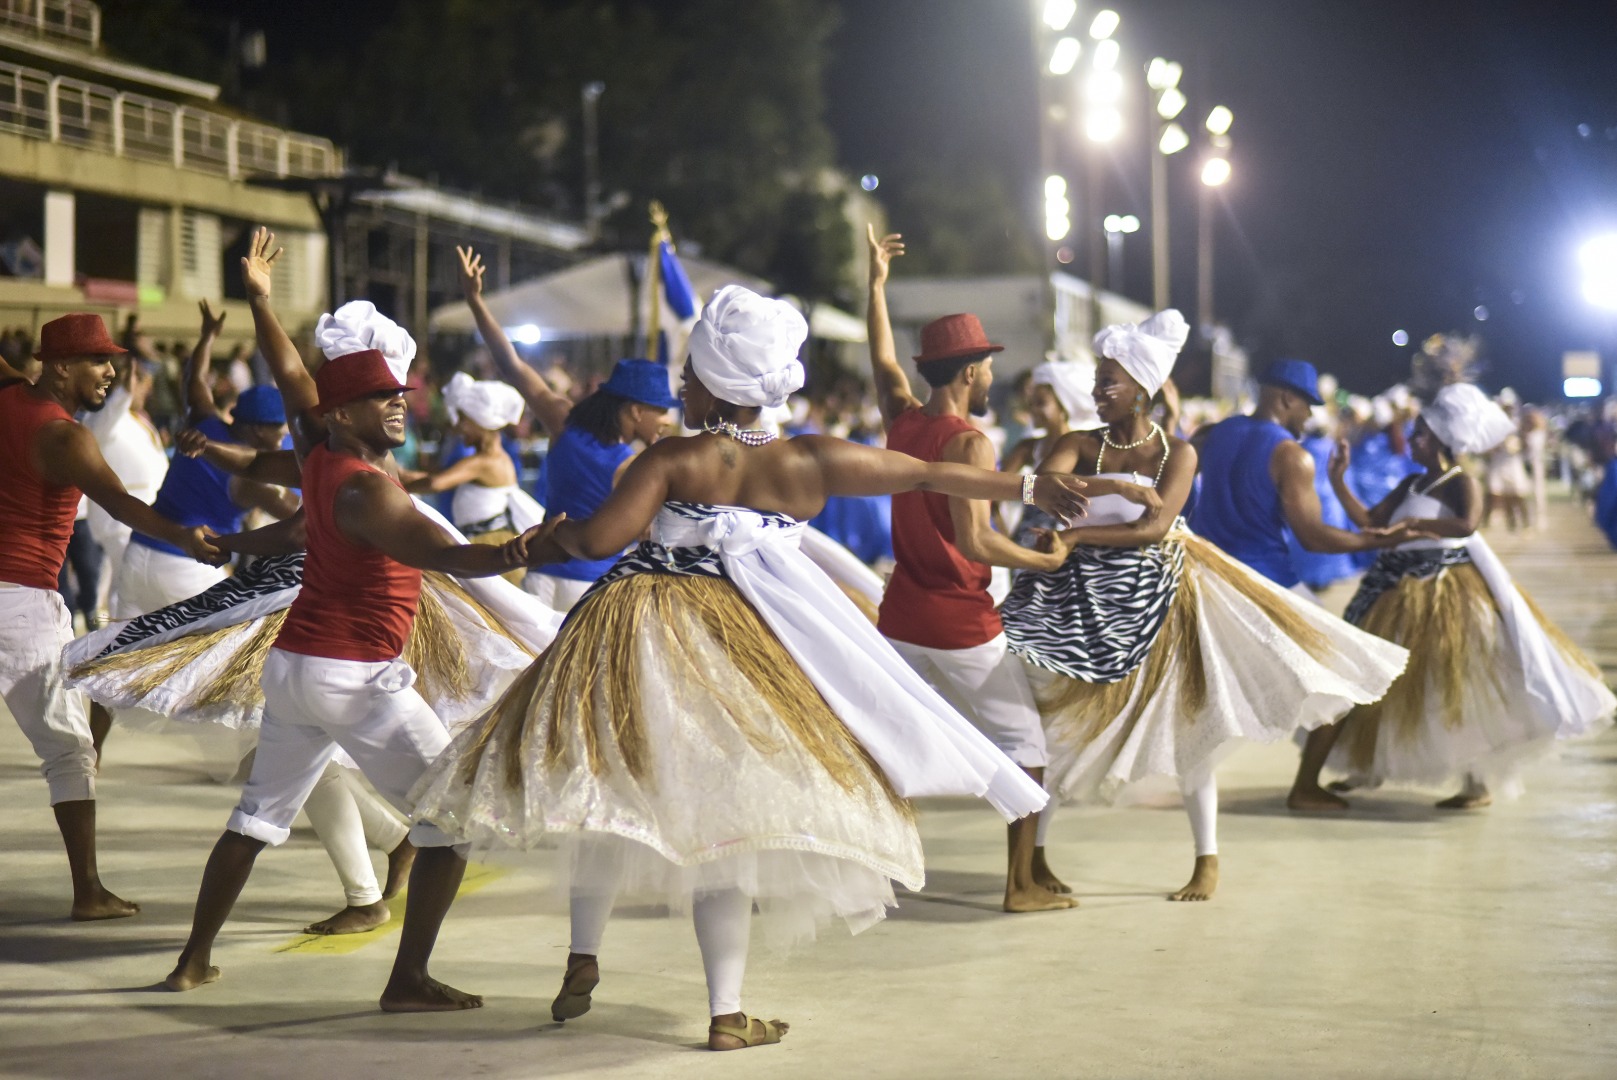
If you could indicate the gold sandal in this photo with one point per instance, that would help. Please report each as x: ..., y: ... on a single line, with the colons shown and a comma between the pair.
x: 574, y: 999
x: 743, y: 1032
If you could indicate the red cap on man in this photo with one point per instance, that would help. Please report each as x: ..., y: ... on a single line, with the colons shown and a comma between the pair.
x: 77, y: 334
x: 353, y: 376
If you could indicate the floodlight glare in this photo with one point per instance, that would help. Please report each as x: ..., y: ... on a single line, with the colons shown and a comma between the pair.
x: 1171, y: 103
x: 1112, y: 223
x: 1058, y: 13
x: 1219, y: 120
x: 1103, y: 124
x: 1104, y: 24
x: 1065, y: 55
x: 1057, y: 228
x: 1598, y: 257
x: 1128, y: 223
x: 1400, y: 338
x: 1216, y: 173
x: 1581, y: 386
x: 1104, y: 87
x: 526, y: 334
x: 1055, y: 186
x: 1106, y: 54
x: 1174, y: 139
x: 1162, y: 74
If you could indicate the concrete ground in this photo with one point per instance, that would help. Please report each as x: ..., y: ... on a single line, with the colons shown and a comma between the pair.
x: 1394, y: 942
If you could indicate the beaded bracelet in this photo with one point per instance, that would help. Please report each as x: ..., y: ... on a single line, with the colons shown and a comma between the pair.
x: 1027, y: 489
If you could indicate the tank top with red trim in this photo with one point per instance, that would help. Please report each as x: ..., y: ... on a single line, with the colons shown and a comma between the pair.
x: 36, y: 518
x: 937, y: 598
x: 356, y: 603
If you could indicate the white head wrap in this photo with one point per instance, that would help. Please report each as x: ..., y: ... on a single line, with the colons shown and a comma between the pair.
x: 487, y: 403
x: 357, y: 326
x: 1146, y: 350
x: 744, y: 348
x: 1073, y: 386
x: 1465, y: 421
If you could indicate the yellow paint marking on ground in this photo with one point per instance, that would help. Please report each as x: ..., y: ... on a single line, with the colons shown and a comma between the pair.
x: 476, y: 877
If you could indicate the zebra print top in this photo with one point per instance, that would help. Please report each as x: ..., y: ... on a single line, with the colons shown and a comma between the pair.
x: 273, y: 573
x: 1393, y: 566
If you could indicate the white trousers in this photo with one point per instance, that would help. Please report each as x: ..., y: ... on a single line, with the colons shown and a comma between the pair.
x: 34, y: 628
x: 147, y: 579
x: 350, y: 820
x: 312, y: 705
x: 556, y: 593
x: 988, y: 686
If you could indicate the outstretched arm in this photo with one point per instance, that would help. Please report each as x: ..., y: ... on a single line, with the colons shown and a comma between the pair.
x: 278, y: 467
x: 470, y: 469
x: 892, y: 385
x: 372, y: 509
x: 1155, y: 523
x: 282, y: 538
x: 198, y: 393
x: 549, y: 407
x: 974, y: 532
x: 286, y: 366
x: 272, y: 499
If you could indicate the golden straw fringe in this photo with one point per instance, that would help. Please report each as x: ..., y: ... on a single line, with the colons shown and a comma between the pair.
x: 1451, y: 627
x: 238, y: 682
x: 432, y: 579
x: 436, y: 653
x: 588, y: 683
x: 1284, y: 612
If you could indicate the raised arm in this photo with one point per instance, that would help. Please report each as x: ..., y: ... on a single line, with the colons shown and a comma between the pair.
x: 285, y: 364
x: 893, y: 394
x: 549, y: 407
x: 372, y: 509
x: 198, y: 389
x: 67, y: 454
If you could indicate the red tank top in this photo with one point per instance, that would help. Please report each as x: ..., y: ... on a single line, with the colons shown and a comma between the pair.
x: 356, y: 603
x: 36, y: 518
x: 937, y: 598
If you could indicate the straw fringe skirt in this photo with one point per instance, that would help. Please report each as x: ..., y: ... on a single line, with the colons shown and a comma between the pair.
x: 668, y: 728
x: 1237, y: 659
x: 1461, y: 706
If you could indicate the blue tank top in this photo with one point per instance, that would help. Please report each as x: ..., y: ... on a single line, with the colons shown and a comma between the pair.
x: 1239, y: 507
x: 578, y: 474
x: 196, y: 493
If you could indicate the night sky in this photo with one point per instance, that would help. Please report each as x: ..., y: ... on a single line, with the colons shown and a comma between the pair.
x: 1396, y: 164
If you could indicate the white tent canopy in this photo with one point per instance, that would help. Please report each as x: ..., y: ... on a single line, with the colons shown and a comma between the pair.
x: 596, y: 299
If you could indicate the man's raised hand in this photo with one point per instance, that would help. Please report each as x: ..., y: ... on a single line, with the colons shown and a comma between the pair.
x: 471, y: 272
x: 882, y: 252
x: 258, y: 264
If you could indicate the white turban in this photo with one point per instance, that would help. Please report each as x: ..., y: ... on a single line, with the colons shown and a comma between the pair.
x: 487, y: 403
x: 744, y: 348
x: 1465, y: 421
x: 357, y: 326
x: 1146, y: 350
x: 1073, y: 386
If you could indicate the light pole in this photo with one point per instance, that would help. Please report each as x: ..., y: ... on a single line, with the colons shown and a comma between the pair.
x: 1116, y: 227
x: 591, y: 95
x: 1215, y: 174
x: 1103, y: 122
x: 1162, y: 76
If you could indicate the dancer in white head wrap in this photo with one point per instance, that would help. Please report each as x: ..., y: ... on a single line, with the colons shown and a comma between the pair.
x: 716, y: 725
x: 489, y: 506
x: 1060, y: 398
x: 357, y: 326
x: 1491, y: 682
x: 1199, y: 653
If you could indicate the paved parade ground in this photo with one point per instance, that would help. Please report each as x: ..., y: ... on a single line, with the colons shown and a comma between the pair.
x: 1395, y: 941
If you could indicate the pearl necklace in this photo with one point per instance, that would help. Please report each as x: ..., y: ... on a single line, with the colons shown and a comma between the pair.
x: 749, y: 437
x: 1414, y: 484
x: 1155, y: 432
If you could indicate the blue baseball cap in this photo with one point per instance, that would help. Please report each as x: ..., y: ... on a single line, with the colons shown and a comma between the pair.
x: 260, y: 405
x: 642, y: 381
x: 1298, y: 376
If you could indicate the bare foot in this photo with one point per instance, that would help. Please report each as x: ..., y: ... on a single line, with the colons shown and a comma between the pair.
x: 352, y: 920
x: 758, y: 1032
x: 426, y: 995
x: 1044, y: 877
x: 102, y: 904
x: 1313, y: 800
x: 399, y: 861
x: 583, y: 976
x: 1203, y: 880
x: 1466, y: 801
x: 189, y: 976
x: 1035, y: 898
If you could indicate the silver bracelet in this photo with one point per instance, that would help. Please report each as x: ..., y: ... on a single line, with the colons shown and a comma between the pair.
x: 1027, y: 489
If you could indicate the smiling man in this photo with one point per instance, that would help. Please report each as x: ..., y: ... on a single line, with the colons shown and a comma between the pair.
x: 50, y: 460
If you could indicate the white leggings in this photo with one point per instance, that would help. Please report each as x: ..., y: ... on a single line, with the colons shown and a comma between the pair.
x: 348, y: 817
x: 1201, y: 804
x: 723, y: 922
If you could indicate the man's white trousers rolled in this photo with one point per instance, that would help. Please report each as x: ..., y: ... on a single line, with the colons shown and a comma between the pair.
x: 34, y: 628
x: 988, y: 685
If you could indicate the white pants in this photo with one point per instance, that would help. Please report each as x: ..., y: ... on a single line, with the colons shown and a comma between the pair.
x: 350, y: 819
x: 989, y: 687
x: 34, y: 628
x: 312, y: 705
x: 148, y: 579
x: 556, y: 593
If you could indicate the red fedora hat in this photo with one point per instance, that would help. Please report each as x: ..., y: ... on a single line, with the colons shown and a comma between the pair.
x: 78, y: 334
x: 952, y: 337
x: 352, y: 376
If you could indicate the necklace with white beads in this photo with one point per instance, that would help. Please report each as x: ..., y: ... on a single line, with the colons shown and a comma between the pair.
x: 1155, y: 432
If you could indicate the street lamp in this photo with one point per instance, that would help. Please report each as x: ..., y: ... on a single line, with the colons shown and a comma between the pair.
x: 1117, y: 226
x: 1105, y: 24
x: 1598, y: 260
x: 1215, y: 174
x: 1163, y: 76
x: 1103, y: 122
x: 1065, y: 55
x: 1057, y: 210
x: 1058, y: 13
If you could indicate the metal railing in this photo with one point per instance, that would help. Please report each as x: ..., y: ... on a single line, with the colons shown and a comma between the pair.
x: 58, y: 109
x: 78, y: 21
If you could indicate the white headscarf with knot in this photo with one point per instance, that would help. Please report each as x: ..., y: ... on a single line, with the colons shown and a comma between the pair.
x: 1465, y: 421
x: 487, y: 403
x: 357, y: 326
x: 744, y: 348
x: 1073, y: 386
x: 1146, y: 350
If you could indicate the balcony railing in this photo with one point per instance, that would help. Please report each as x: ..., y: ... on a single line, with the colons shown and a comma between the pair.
x: 77, y: 21
x: 62, y: 110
